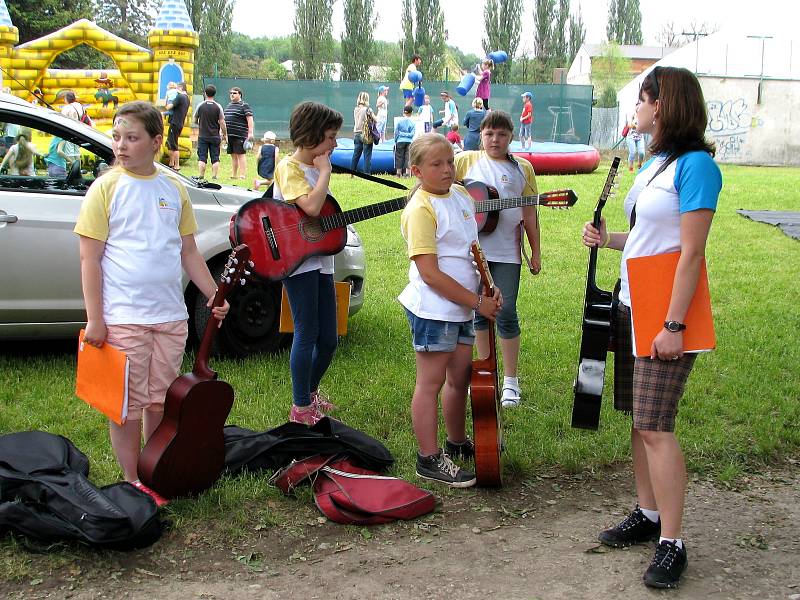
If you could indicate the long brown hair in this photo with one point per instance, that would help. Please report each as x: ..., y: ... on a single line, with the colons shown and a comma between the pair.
x: 24, y: 156
x: 682, y: 116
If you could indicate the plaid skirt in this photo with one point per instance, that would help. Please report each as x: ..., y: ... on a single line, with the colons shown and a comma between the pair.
x: 647, y: 389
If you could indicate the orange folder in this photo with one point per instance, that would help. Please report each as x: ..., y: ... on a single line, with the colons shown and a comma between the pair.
x: 286, y: 324
x: 650, y: 281
x: 102, y: 379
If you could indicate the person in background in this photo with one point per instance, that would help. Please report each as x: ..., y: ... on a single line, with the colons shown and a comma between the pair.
x: 20, y: 156
x: 382, y: 112
x: 497, y: 167
x: 635, y: 141
x: 239, y: 123
x: 672, y: 202
x: 403, y: 136
x: 74, y: 109
x: 56, y: 158
x: 442, y: 296
x: 169, y: 97
x: 472, y: 121
x: 484, y: 79
x: 136, y: 225
x: 406, y: 87
x: 455, y: 139
x: 210, y: 118
x: 267, y: 159
x: 449, y: 113
x: 425, y: 115
x: 179, y: 108
x: 526, y: 121
x: 303, y: 179
x: 359, y: 143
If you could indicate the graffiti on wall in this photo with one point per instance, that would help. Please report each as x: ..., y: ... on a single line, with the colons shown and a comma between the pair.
x: 729, y: 122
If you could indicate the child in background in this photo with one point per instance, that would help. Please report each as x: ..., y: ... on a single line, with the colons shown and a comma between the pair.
x: 495, y: 166
x: 426, y: 115
x: 56, y: 158
x: 440, y: 300
x: 19, y: 158
x: 382, y: 110
x: 484, y: 79
x: 169, y: 98
x: 267, y: 159
x: 454, y: 138
x: 526, y: 121
x: 303, y: 179
x: 403, y: 136
x: 136, y: 229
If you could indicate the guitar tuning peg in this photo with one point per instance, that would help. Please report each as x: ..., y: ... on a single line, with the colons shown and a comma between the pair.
x: 234, y: 260
x: 242, y: 281
x: 247, y: 273
x: 227, y: 279
x: 251, y: 263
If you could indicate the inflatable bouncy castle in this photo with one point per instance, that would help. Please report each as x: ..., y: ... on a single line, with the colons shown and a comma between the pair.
x: 141, y: 73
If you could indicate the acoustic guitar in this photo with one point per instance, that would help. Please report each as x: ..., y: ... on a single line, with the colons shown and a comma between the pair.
x: 281, y: 236
x: 598, y: 315
x: 186, y: 453
x: 488, y: 203
x: 487, y: 426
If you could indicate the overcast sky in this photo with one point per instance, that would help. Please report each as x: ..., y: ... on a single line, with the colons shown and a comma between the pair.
x: 464, y: 18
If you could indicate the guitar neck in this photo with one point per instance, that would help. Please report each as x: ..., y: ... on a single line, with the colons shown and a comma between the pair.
x: 502, y: 203
x: 354, y: 215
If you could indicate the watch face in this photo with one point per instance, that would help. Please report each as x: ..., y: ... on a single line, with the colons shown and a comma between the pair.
x: 674, y: 326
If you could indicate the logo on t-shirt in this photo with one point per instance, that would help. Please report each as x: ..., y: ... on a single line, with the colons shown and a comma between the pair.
x: 505, y: 178
x: 165, y: 204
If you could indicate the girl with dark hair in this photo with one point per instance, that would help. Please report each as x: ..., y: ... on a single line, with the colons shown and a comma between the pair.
x: 670, y: 207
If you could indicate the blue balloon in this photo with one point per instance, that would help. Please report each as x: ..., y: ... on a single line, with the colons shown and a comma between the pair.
x: 498, y: 56
x: 419, y: 96
x: 466, y: 84
x: 415, y: 76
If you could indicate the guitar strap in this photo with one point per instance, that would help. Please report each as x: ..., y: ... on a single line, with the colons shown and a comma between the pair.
x: 337, y: 169
x: 524, y: 252
x: 663, y: 167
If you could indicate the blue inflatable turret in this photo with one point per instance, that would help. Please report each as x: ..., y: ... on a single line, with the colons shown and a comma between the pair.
x: 466, y: 84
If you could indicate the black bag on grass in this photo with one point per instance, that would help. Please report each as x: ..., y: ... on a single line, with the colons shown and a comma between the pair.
x: 45, y: 494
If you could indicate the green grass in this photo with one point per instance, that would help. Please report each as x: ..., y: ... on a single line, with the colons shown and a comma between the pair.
x: 740, y: 409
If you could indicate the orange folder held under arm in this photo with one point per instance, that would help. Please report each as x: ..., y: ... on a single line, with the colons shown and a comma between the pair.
x: 102, y: 379
x: 650, y: 281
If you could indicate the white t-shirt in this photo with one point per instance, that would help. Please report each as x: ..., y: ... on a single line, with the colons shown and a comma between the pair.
x: 444, y: 226
x: 292, y: 180
x: 512, y: 180
x: 141, y: 220
x: 691, y: 182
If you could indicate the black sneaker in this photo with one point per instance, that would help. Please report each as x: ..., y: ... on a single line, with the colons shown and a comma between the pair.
x: 465, y: 449
x: 667, y: 566
x: 634, y: 529
x: 440, y: 468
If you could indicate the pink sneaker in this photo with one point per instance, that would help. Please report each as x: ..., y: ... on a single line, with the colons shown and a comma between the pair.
x: 322, y: 402
x: 307, y: 416
x: 157, y: 498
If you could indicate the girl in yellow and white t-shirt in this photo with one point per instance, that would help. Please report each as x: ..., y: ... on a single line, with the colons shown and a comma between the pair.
x: 442, y: 294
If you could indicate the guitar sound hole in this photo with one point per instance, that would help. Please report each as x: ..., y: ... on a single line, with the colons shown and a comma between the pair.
x: 311, y: 230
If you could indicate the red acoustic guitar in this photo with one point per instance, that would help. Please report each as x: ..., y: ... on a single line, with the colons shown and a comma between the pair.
x: 487, y: 426
x: 281, y: 236
x: 488, y: 203
x: 186, y: 453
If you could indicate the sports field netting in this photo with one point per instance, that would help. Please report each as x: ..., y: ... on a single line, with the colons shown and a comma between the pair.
x: 562, y: 113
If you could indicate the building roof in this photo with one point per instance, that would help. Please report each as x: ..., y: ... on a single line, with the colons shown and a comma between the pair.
x: 632, y: 52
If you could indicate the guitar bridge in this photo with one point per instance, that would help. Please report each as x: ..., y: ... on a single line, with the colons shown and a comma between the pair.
x: 271, y: 241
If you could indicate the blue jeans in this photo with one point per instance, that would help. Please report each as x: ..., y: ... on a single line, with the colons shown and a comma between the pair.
x: 358, y: 147
x: 313, y: 302
x: 506, y: 277
x: 635, y: 147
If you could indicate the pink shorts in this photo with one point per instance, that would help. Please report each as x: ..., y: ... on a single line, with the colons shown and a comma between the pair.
x: 155, y: 354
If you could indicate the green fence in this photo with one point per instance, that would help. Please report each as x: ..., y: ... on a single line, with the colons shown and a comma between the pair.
x: 562, y: 113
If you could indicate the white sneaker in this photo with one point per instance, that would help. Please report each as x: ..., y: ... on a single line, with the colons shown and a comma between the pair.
x: 511, y: 397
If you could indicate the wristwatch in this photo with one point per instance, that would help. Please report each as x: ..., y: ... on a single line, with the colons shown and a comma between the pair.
x: 674, y: 326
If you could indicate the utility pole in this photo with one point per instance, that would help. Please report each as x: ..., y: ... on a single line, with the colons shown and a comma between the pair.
x: 694, y: 35
x: 761, y: 76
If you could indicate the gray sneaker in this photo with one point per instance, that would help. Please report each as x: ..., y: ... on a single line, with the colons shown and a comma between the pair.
x: 440, y: 468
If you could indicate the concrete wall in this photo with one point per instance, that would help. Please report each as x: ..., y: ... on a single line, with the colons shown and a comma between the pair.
x: 750, y: 132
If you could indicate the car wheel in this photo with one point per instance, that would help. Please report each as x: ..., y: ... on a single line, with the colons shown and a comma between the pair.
x: 251, y: 325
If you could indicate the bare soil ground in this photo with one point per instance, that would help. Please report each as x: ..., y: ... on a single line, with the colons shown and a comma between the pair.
x: 532, y: 539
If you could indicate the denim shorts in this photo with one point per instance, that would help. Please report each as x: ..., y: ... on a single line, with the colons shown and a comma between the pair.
x: 524, y: 130
x: 429, y: 335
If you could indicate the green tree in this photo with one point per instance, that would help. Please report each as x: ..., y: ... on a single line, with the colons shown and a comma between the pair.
x: 610, y: 71
x: 357, y: 43
x: 211, y: 20
x: 430, y: 39
x: 407, y: 42
x: 559, y: 38
x: 129, y: 19
x: 577, y: 35
x: 624, y: 24
x: 312, y: 42
x: 543, y: 17
x: 502, y: 24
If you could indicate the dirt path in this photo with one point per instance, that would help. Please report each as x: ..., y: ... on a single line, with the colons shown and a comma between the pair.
x: 533, y: 539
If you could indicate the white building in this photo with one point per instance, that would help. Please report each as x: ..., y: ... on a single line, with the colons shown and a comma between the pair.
x: 641, y: 57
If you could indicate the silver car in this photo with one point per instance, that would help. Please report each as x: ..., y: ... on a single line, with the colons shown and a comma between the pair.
x: 40, y: 293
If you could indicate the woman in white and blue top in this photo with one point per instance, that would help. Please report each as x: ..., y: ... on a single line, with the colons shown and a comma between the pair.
x: 670, y: 208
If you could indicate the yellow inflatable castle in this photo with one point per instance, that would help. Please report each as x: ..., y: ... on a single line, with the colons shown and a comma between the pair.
x: 141, y: 73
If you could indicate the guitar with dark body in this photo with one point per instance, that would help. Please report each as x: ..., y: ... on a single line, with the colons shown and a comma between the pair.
x: 186, y: 453
x: 487, y: 426
x: 598, y: 314
x: 281, y: 236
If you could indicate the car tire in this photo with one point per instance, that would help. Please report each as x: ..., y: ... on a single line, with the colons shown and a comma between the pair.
x: 251, y: 326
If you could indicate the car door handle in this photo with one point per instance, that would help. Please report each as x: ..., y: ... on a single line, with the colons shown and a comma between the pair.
x: 8, y: 218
